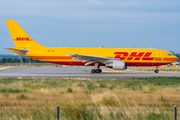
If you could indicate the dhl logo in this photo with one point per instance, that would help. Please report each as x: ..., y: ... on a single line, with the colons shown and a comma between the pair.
x: 22, y: 39
x: 133, y: 55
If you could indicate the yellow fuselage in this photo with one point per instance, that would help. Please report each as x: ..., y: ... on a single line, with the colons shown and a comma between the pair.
x: 131, y: 56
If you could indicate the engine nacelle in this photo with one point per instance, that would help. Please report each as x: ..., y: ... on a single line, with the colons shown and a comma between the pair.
x: 116, y: 65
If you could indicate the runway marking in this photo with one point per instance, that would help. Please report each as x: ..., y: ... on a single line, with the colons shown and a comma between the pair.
x: 5, y: 68
x: 41, y: 69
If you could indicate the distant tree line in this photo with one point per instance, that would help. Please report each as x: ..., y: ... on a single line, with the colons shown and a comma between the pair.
x: 16, y: 60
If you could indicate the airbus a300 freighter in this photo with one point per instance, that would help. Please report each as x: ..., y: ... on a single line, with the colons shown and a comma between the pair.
x: 115, y: 58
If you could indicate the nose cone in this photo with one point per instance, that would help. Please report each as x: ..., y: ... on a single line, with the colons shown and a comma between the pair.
x: 176, y: 58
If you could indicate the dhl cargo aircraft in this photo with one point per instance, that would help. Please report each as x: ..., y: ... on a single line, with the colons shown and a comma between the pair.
x: 115, y: 58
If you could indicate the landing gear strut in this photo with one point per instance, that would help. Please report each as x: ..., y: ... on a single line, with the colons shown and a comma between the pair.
x: 96, y: 68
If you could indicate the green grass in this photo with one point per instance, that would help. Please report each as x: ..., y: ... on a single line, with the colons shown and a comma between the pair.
x: 86, y: 99
x: 69, y: 90
x: 22, y: 97
x: 11, y: 90
x: 134, y: 83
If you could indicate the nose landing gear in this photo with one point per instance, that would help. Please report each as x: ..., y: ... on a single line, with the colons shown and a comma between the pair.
x: 157, y: 71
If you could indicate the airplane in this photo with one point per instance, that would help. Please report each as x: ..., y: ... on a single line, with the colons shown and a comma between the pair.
x: 115, y: 58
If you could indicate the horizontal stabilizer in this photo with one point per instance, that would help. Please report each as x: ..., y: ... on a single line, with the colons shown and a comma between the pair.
x: 23, y: 51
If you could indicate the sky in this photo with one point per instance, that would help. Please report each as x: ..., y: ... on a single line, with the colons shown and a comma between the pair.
x: 94, y: 23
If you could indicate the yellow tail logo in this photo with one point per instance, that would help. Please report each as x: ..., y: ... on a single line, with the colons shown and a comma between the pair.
x: 22, y: 39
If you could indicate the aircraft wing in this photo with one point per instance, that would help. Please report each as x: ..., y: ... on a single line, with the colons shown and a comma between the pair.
x: 23, y: 51
x: 92, y: 59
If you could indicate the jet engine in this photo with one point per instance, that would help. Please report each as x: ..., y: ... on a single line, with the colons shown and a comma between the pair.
x: 116, y: 65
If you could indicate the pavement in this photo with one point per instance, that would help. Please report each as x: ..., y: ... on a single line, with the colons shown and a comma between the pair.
x: 73, y: 72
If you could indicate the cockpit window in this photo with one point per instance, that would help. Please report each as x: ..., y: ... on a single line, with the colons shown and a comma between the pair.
x: 170, y: 54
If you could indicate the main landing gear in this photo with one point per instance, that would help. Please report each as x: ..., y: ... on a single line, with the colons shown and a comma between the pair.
x: 96, y: 71
x: 96, y: 68
x: 157, y: 71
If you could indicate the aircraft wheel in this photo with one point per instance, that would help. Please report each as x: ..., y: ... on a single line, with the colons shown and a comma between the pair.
x: 98, y: 70
x: 93, y: 71
x: 156, y: 71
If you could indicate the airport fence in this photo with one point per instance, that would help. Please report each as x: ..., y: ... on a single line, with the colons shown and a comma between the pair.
x: 58, y: 112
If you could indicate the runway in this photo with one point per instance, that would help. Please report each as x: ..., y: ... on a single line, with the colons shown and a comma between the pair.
x: 73, y: 72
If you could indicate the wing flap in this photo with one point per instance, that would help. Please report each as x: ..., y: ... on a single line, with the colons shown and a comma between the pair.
x: 91, y: 59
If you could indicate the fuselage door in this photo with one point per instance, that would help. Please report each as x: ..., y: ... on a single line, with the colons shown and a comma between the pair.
x: 158, y: 56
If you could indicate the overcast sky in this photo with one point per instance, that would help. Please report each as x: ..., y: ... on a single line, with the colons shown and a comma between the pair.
x: 94, y: 23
